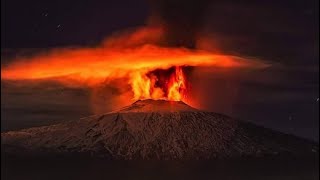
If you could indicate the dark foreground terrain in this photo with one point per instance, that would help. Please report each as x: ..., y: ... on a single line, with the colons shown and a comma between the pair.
x: 81, y: 168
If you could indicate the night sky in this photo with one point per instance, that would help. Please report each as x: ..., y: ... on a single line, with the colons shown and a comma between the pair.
x: 285, y: 97
x: 39, y: 24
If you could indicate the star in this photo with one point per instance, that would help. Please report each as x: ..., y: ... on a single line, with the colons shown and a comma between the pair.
x: 45, y: 14
x: 59, y: 27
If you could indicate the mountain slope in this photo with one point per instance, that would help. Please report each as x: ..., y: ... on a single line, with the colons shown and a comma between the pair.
x: 152, y: 129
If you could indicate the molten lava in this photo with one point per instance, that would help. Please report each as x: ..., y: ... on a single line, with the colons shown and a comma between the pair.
x: 177, y: 86
x: 160, y: 84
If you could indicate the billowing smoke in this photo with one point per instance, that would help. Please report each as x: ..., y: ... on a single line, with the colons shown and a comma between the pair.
x: 182, y: 19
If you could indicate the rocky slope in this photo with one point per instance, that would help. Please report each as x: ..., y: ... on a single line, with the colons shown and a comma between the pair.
x: 152, y: 129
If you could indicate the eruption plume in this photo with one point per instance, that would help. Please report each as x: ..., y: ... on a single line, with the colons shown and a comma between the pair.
x: 152, y: 71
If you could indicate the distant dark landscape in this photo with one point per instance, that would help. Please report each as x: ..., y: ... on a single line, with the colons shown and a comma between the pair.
x: 285, y: 168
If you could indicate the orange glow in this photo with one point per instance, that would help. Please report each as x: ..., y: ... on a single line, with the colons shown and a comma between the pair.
x: 173, y: 89
x: 130, y: 56
x: 177, y: 86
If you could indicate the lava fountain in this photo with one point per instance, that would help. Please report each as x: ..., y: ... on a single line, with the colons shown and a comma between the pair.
x: 167, y: 84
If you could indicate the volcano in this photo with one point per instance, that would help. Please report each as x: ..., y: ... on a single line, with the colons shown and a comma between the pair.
x: 156, y: 129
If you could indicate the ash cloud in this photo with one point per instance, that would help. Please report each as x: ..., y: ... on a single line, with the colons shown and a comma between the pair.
x: 182, y: 19
x: 248, y: 28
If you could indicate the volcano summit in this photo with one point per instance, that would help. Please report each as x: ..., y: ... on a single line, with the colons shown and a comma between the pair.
x: 155, y: 129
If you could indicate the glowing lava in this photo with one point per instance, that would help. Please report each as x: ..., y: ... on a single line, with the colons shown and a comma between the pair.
x: 166, y: 85
x: 177, y: 85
